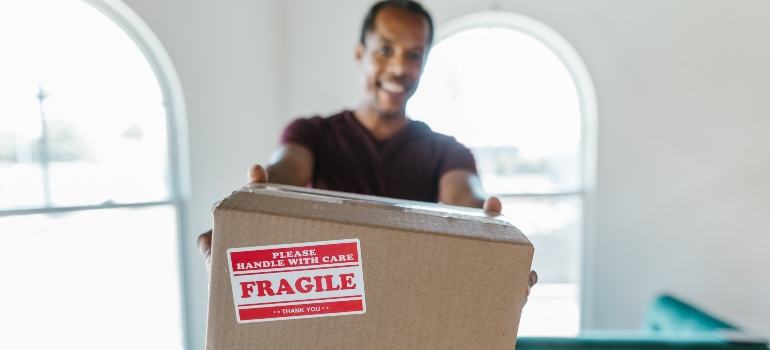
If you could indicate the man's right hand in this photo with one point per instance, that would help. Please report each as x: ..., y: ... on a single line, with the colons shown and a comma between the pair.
x: 256, y: 174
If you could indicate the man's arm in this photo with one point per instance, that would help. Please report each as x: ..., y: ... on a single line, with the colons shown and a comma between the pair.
x: 463, y: 187
x: 290, y: 164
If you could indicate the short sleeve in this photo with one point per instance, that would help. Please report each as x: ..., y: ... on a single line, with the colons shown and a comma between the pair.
x: 456, y: 157
x: 302, y: 131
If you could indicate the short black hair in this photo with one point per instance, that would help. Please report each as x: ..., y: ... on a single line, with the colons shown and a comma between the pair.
x: 409, y: 5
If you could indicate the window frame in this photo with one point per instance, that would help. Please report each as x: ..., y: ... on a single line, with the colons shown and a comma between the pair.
x: 589, y: 127
x: 176, y: 126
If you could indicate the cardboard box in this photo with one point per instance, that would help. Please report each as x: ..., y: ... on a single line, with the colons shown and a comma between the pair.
x: 297, y: 268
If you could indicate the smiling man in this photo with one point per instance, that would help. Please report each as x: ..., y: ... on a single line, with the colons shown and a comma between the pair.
x: 376, y: 149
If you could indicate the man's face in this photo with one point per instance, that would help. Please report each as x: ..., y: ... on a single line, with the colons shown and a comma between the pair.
x: 392, y: 59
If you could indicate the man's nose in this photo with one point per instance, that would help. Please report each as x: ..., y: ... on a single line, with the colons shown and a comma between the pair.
x: 397, y: 65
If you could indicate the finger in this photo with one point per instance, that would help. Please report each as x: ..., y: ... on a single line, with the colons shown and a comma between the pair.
x: 204, y: 244
x: 531, y: 281
x: 257, y: 174
x: 532, y: 278
x: 492, y: 204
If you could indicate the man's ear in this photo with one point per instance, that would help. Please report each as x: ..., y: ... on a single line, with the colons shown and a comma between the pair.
x: 359, y: 53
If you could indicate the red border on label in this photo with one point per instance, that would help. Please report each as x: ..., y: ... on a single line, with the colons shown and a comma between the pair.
x: 289, y: 281
x: 301, y: 309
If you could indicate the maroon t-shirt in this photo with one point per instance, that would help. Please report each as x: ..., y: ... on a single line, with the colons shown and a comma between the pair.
x: 349, y: 159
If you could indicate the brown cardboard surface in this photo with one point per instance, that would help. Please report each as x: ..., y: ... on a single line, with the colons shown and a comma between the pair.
x: 436, y: 277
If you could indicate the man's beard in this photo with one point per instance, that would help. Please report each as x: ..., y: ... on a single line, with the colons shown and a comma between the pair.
x: 388, y: 115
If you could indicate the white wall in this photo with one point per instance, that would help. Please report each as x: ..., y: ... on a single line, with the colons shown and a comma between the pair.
x: 684, y: 114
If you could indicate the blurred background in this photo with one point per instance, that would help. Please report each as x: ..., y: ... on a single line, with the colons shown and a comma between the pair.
x: 627, y: 139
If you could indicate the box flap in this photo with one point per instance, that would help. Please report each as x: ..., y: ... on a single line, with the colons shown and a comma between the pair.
x: 373, y: 211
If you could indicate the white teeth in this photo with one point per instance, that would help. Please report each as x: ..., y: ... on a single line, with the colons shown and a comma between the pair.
x: 392, y: 87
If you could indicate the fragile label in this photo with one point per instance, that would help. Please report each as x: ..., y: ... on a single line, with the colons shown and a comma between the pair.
x: 289, y: 281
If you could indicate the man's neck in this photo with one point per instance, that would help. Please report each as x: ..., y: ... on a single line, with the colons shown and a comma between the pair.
x: 382, y: 128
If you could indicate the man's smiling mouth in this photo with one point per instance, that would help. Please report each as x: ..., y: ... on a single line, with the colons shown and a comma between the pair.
x: 392, y: 87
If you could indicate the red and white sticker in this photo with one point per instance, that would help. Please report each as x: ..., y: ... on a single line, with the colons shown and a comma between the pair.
x: 290, y: 281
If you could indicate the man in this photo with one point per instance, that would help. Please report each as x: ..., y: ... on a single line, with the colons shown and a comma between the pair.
x: 376, y: 149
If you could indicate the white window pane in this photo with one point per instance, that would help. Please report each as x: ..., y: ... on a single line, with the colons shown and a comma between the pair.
x: 100, y: 279
x: 84, y: 102
x: 505, y: 170
x: 21, y: 185
x: 21, y: 177
x: 509, y: 98
x: 553, y: 309
x: 553, y: 224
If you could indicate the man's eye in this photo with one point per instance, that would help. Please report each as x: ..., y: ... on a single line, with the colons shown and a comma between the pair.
x: 416, y: 57
x: 384, y: 51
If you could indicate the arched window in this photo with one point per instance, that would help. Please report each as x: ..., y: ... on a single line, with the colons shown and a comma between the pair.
x: 518, y: 95
x: 90, y: 189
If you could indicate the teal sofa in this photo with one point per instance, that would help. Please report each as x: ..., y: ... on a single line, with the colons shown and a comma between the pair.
x: 670, y: 323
